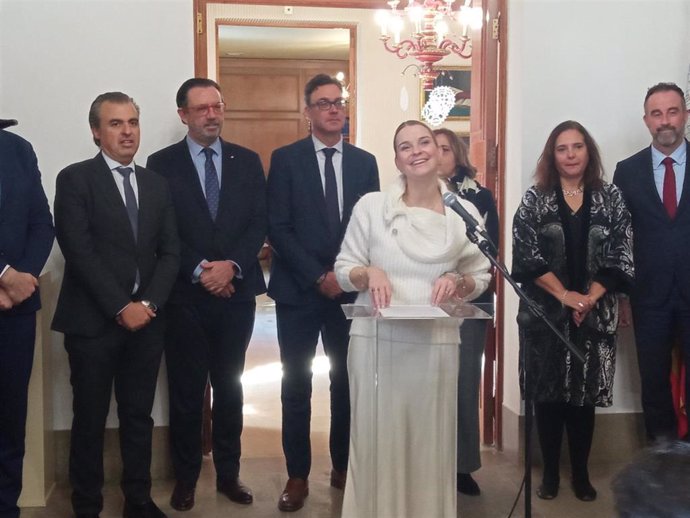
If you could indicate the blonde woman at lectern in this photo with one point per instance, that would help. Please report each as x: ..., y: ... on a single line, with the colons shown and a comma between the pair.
x: 403, y: 247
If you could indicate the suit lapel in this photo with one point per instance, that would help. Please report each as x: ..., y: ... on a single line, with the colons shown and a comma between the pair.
x: 312, y: 177
x: 230, y: 177
x: 349, y: 186
x: 685, y: 191
x: 191, y: 178
x: 647, y: 184
x: 105, y: 182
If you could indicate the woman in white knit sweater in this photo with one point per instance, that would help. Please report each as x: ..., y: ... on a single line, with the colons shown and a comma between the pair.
x: 402, y: 247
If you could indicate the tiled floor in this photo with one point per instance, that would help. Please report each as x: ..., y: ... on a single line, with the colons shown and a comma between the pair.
x: 263, y: 466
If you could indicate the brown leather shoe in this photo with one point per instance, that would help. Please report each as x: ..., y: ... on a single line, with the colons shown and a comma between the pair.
x: 182, y: 498
x: 338, y: 479
x: 236, y: 491
x: 292, y: 499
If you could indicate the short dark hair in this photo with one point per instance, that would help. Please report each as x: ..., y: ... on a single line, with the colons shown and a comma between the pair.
x: 203, y: 82
x: 546, y: 174
x: 109, y: 97
x: 655, y: 484
x: 665, y: 87
x: 459, y: 149
x: 317, y: 81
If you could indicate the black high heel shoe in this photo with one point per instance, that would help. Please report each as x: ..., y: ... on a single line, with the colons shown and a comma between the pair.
x: 584, y: 491
x: 548, y: 489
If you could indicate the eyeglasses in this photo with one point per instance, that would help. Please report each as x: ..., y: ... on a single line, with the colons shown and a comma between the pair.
x: 203, y: 109
x: 325, y: 105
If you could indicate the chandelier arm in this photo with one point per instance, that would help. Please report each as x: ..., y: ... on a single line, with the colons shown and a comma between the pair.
x: 463, y: 49
x: 402, y: 49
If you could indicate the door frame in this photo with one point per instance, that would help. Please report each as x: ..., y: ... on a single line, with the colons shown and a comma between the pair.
x: 487, y: 145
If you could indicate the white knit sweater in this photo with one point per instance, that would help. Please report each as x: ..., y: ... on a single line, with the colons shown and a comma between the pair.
x: 400, y: 240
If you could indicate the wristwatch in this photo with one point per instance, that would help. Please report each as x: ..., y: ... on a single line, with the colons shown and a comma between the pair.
x: 150, y: 305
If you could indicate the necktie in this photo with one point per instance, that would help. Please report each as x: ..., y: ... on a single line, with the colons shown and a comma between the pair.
x: 211, y: 183
x: 132, y: 211
x: 669, y: 191
x: 332, y: 205
x: 130, y: 200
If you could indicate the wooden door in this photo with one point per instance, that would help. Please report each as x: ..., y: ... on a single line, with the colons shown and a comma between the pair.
x: 265, y: 100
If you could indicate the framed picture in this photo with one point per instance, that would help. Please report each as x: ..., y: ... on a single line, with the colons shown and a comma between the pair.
x: 460, y: 80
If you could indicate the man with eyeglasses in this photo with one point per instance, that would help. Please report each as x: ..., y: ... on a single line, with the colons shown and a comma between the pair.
x: 313, y: 185
x: 219, y: 194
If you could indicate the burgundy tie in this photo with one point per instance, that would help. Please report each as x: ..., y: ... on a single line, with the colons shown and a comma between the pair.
x: 669, y: 198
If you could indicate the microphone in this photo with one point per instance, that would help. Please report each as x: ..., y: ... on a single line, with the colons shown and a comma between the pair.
x: 6, y: 123
x: 451, y: 201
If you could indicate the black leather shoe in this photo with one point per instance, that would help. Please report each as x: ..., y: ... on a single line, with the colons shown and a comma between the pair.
x: 87, y: 515
x: 182, y: 498
x: 548, y: 490
x: 584, y: 491
x: 146, y: 510
x: 467, y: 485
x: 236, y: 491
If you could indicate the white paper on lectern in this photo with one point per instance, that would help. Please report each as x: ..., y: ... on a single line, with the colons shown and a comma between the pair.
x: 412, y: 312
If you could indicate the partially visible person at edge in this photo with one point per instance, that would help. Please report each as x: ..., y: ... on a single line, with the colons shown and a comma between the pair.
x: 655, y: 483
x: 26, y: 237
x: 655, y: 185
x: 572, y: 252
x: 456, y: 169
x: 403, y: 247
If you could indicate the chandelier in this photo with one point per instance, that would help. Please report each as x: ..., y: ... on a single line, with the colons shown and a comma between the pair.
x: 431, y: 23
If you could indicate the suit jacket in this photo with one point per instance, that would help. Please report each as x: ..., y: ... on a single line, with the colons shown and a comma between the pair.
x: 26, y: 226
x: 239, y: 230
x: 101, y: 254
x: 661, y: 246
x: 297, y: 223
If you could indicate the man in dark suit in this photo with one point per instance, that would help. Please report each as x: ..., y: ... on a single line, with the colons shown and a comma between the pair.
x: 219, y: 193
x: 656, y: 188
x: 115, y: 224
x: 26, y: 237
x: 312, y: 186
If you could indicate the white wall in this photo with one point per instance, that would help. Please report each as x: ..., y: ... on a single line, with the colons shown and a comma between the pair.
x: 591, y: 61
x: 56, y: 57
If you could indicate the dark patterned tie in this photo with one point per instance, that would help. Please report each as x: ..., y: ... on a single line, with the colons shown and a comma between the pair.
x: 132, y: 211
x: 130, y: 200
x: 332, y: 205
x: 211, y: 183
x: 669, y: 190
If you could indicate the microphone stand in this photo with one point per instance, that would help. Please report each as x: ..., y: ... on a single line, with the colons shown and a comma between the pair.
x: 479, y: 237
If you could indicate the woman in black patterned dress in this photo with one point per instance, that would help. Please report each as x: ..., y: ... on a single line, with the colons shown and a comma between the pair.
x: 572, y: 252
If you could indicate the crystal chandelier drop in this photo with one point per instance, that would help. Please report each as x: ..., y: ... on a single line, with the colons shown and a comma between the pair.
x: 431, y: 38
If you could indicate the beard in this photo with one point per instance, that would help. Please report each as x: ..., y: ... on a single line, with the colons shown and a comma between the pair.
x: 667, y: 136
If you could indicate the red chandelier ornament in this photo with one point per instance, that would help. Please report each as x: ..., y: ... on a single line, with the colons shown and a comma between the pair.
x: 428, y: 43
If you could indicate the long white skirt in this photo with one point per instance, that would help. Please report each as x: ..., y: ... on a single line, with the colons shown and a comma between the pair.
x: 402, y: 441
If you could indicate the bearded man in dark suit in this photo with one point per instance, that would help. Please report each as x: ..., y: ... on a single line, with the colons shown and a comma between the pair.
x: 313, y: 184
x: 219, y: 193
x: 656, y: 185
x: 115, y: 224
x: 26, y: 237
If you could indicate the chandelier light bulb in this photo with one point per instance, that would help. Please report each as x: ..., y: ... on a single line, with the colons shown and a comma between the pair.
x: 382, y: 20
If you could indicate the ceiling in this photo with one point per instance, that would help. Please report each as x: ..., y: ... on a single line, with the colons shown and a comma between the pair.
x: 240, y: 41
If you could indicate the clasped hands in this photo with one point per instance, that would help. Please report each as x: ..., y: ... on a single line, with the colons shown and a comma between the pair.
x: 216, y: 278
x: 581, y: 304
x: 15, y: 288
